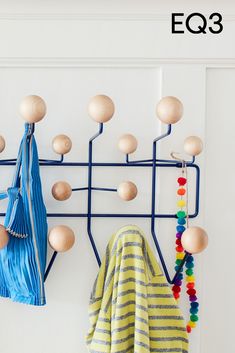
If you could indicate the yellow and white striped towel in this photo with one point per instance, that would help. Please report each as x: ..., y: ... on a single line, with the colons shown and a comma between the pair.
x: 132, y: 309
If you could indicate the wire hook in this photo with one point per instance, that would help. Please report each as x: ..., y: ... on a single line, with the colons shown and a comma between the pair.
x: 181, y: 160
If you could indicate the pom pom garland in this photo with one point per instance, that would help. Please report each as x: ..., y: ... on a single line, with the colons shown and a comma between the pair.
x: 182, y: 224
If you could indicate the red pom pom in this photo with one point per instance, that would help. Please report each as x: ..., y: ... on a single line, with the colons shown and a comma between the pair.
x: 178, y: 242
x: 191, y: 291
x: 176, y: 289
x: 179, y: 249
x: 176, y: 295
x: 182, y: 181
x: 188, y: 328
x: 190, y: 285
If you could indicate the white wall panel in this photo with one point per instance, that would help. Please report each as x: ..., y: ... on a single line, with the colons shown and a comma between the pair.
x: 218, y: 307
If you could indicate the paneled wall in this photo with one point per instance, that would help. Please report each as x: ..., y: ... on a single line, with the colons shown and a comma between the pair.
x: 135, y: 60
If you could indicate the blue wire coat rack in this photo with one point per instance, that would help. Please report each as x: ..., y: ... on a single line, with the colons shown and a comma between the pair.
x: 154, y: 163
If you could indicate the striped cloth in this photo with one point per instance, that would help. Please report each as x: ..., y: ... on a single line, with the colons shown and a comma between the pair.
x: 23, y: 260
x: 132, y: 308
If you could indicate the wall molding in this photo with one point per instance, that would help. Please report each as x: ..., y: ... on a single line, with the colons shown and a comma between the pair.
x: 86, y: 62
x: 156, y: 17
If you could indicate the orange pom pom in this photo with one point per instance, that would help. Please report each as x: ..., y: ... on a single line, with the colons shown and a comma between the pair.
x: 181, y: 191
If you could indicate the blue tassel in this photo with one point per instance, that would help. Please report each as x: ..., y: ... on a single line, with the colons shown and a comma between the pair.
x: 17, y: 226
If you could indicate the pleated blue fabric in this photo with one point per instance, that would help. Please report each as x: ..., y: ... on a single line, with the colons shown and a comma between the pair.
x: 23, y: 260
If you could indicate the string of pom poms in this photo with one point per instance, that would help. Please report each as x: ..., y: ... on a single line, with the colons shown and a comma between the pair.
x: 182, y: 224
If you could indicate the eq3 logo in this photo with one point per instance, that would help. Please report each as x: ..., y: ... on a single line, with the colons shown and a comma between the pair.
x: 196, y: 23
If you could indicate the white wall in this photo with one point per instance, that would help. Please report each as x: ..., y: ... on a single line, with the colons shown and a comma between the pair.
x: 67, y: 52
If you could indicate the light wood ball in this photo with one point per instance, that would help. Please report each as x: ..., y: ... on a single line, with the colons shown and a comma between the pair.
x: 193, y: 145
x: 194, y: 240
x: 32, y: 109
x: 61, y: 191
x: 127, y: 144
x: 61, y: 144
x: 4, y: 237
x: 101, y: 108
x: 169, y: 110
x: 2, y: 144
x: 127, y: 190
x: 61, y: 238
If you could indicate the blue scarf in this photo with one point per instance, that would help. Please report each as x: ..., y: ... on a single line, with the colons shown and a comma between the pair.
x: 23, y: 260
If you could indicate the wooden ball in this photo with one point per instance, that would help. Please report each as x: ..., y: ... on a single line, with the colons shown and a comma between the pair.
x: 2, y: 144
x: 193, y: 145
x: 32, y: 109
x: 101, y: 108
x: 61, y: 191
x: 4, y: 237
x: 127, y: 190
x: 194, y: 240
x: 169, y: 110
x: 61, y: 238
x: 61, y: 144
x: 127, y: 144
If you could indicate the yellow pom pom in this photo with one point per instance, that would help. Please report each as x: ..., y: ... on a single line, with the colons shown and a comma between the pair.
x: 192, y: 324
x: 180, y: 255
x: 181, y: 203
x: 190, y: 279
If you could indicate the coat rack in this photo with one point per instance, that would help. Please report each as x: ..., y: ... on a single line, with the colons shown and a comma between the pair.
x: 101, y: 109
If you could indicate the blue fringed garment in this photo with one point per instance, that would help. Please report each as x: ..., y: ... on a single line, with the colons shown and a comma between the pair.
x: 23, y: 260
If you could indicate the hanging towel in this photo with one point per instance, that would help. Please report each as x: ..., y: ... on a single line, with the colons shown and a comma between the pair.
x: 132, y: 308
x: 23, y: 260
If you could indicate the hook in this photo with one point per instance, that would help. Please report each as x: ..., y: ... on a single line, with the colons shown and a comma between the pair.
x: 181, y: 160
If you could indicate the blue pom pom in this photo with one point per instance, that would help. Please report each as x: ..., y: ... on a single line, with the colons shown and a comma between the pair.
x: 189, y: 265
x: 189, y: 259
x: 180, y: 229
x: 193, y: 311
x: 181, y: 221
x: 194, y: 305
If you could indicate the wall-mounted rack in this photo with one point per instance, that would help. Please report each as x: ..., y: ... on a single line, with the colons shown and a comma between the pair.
x: 101, y: 109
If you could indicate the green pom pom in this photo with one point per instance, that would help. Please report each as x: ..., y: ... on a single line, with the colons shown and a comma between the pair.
x: 178, y: 262
x: 181, y: 214
x: 194, y: 318
x: 189, y: 272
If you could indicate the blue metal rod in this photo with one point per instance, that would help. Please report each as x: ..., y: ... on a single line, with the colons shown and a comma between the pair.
x: 50, y: 265
x: 110, y: 215
x: 89, y: 216
x: 153, y: 203
x: 95, y: 188
x: 99, y: 164
x: 52, y: 161
x: 197, y: 199
x: 80, y: 189
x: 158, y: 160
x: 104, y: 189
